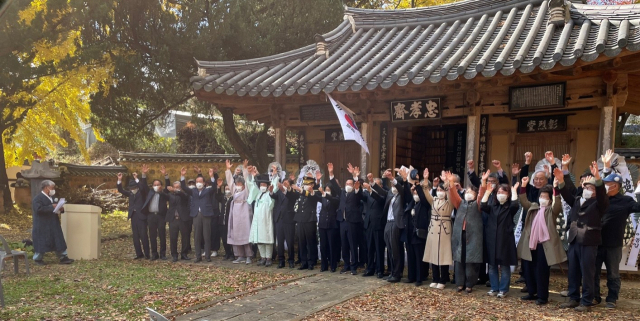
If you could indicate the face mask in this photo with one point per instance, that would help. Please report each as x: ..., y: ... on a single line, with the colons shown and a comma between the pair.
x: 52, y: 192
x: 238, y: 188
x: 502, y: 198
x: 156, y: 189
x: 416, y: 198
x: 348, y: 189
x: 263, y: 189
x: 394, y: 191
x: 606, y: 187
x: 192, y: 186
x: 469, y: 197
x: 543, y: 202
x: 134, y: 191
x: 328, y: 193
x: 308, y: 188
x: 176, y: 189
x: 227, y: 193
x: 199, y: 185
x: 440, y: 195
x: 586, y: 194
x: 493, y: 186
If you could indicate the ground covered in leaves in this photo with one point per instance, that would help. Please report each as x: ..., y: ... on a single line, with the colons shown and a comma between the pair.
x: 407, y: 302
x: 115, y: 287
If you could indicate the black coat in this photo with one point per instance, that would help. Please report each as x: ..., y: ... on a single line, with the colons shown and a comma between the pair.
x: 585, y: 221
x: 328, y: 213
x: 204, y: 200
x: 283, y: 207
x: 46, y: 233
x: 614, y: 220
x: 162, y: 201
x: 374, y: 217
x: 350, y: 207
x: 136, y: 201
x: 420, y: 220
x: 475, y: 180
x: 499, y: 238
x: 398, y: 206
x: 224, y: 205
x: 178, y: 201
x: 306, y: 206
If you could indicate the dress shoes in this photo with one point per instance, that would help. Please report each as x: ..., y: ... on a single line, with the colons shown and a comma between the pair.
x: 393, y: 279
x: 310, y: 267
x: 268, y: 263
x: 163, y: 257
x: 66, y: 260
x: 354, y: 272
x: 280, y: 265
x: 323, y: 269
x: 291, y: 265
x: 529, y: 297
x: 303, y: 267
x: 333, y: 270
x: 198, y: 260
x: 343, y: 271
x: 418, y: 283
x: 41, y: 262
x: 185, y: 257
x: 380, y: 275
x: 365, y: 274
x: 208, y: 259
x: 139, y: 257
x: 175, y: 259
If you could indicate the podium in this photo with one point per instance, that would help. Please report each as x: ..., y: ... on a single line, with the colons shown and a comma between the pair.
x: 81, y: 229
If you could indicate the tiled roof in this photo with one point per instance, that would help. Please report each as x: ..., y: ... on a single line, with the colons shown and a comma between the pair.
x: 379, y: 48
x: 179, y: 158
x: 100, y: 171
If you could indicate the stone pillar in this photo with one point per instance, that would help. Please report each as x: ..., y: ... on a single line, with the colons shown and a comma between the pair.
x: 471, y: 144
x: 367, y: 134
x: 607, y: 127
x: 38, y: 173
x: 281, y: 146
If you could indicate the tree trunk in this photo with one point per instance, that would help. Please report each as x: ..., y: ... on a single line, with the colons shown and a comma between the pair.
x: 4, y: 178
x: 261, y: 158
x: 620, y: 127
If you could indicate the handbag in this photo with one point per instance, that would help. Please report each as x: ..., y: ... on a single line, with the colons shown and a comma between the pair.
x: 422, y: 233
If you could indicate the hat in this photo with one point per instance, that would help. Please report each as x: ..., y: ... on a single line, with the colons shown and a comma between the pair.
x: 308, y: 180
x: 133, y: 184
x: 614, y: 178
x: 191, y: 181
x: 262, y: 178
x: 592, y: 181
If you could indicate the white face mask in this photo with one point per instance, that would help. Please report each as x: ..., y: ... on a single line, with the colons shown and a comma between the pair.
x: 348, y: 189
x: 502, y: 198
x: 416, y: 198
x: 237, y: 188
x: 587, y: 194
x: 308, y: 188
x: 52, y: 192
x: 543, y: 202
x: 156, y: 188
x: 606, y: 187
x: 469, y: 197
x: 263, y: 189
x: 192, y: 186
x: 199, y: 185
x: 492, y: 186
x: 440, y: 195
x: 394, y: 191
x: 227, y: 193
x: 328, y: 193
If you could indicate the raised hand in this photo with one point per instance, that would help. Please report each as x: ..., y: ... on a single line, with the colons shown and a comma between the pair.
x: 514, y: 189
x: 280, y: 185
x: 229, y: 165
x: 594, y: 170
x: 527, y: 158
x: 555, y: 182
x: 215, y: 170
x: 330, y: 168
x: 606, y: 158
x: 547, y: 170
x: 120, y: 176
x: 183, y: 171
x: 170, y: 188
x: 197, y: 169
x: 566, y: 159
x: 557, y: 173
x: 145, y: 168
x: 525, y: 181
x: 425, y: 174
x: 443, y: 177
x: 211, y: 172
x: 350, y: 168
x: 515, y: 169
x: 485, y: 176
x: 356, y: 171
x: 448, y: 177
x: 270, y: 188
x: 370, y: 178
x: 470, y: 164
x: 497, y: 164
x: 163, y: 170
x: 135, y: 175
x: 292, y: 177
x: 549, y: 157
x: 318, y: 175
x: 245, y: 163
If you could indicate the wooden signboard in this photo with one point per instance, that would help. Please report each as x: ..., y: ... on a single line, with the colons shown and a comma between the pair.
x: 553, y: 123
x: 537, y: 97
x: 323, y: 112
x: 418, y: 109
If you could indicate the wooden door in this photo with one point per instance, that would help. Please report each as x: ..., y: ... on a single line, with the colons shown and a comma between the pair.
x: 538, y: 144
x: 341, y: 154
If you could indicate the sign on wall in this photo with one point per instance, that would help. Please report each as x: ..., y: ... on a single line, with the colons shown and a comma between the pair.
x: 302, y: 144
x: 537, y: 97
x: 482, y: 146
x: 335, y: 135
x: 460, y: 146
x: 419, y: 109
x: 384, y: 141
x: 553, y: 123
x: 322, y: 112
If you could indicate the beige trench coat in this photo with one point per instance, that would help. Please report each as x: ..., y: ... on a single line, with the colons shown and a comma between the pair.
x: 438, y: 248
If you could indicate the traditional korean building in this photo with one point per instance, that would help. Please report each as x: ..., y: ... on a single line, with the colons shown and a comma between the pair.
x: 436, y: 86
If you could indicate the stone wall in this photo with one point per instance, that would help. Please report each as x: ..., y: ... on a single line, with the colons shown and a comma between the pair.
x: 22, y: 196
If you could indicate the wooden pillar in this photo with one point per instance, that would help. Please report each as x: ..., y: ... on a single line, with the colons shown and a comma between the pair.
x: 472, y: 134
x: 367, y: 134
x: 608, y: 115
x: 278, y: 123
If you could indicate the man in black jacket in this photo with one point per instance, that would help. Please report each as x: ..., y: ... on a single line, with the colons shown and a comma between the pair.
x: 178, y: 217
x: 585, y: 224
x: 283, y: 214
x: 614, y: 223
x: 156, y: 208
x: 349, y: 211
x: 328, y: 228
x: 306, y: 207
x: 225, y: 199
x: 137, y: 194
x: 394, y: 214
x: 374, y: 222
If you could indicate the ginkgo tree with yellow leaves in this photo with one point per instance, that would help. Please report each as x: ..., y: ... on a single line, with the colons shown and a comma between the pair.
x: 47, y: 78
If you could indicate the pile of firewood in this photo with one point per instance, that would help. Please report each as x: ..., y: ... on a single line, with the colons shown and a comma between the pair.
x: 108, y: 199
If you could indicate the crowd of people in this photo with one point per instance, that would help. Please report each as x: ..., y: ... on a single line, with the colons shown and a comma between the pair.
x: 376, y: 223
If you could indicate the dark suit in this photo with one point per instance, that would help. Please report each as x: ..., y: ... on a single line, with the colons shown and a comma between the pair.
x: 350, y: 212
x: 418, y: 270
x: 283, y: 214
x: 394, y: 228
x: 178, y: 218
x: 156, y: 221
x: 204, y: 206
x: 46, y: 233
x: 328, y: 230
x: 305, y: 217
x: 223, y: 224
x: 374, y: 222
x: 138, y: 218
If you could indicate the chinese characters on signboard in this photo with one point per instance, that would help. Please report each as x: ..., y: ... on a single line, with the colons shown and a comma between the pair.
x: 482, y: 147
x: 460, y: 145
x: 537, y: 97
x: 333, y: 135
x: 541, y: 124
x: 301, y: 149
x: 384, y: 140
x: 322, y: 112
x: 428, y: 108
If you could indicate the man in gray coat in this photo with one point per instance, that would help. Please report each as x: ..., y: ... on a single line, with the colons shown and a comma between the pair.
x: 47, y: 233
